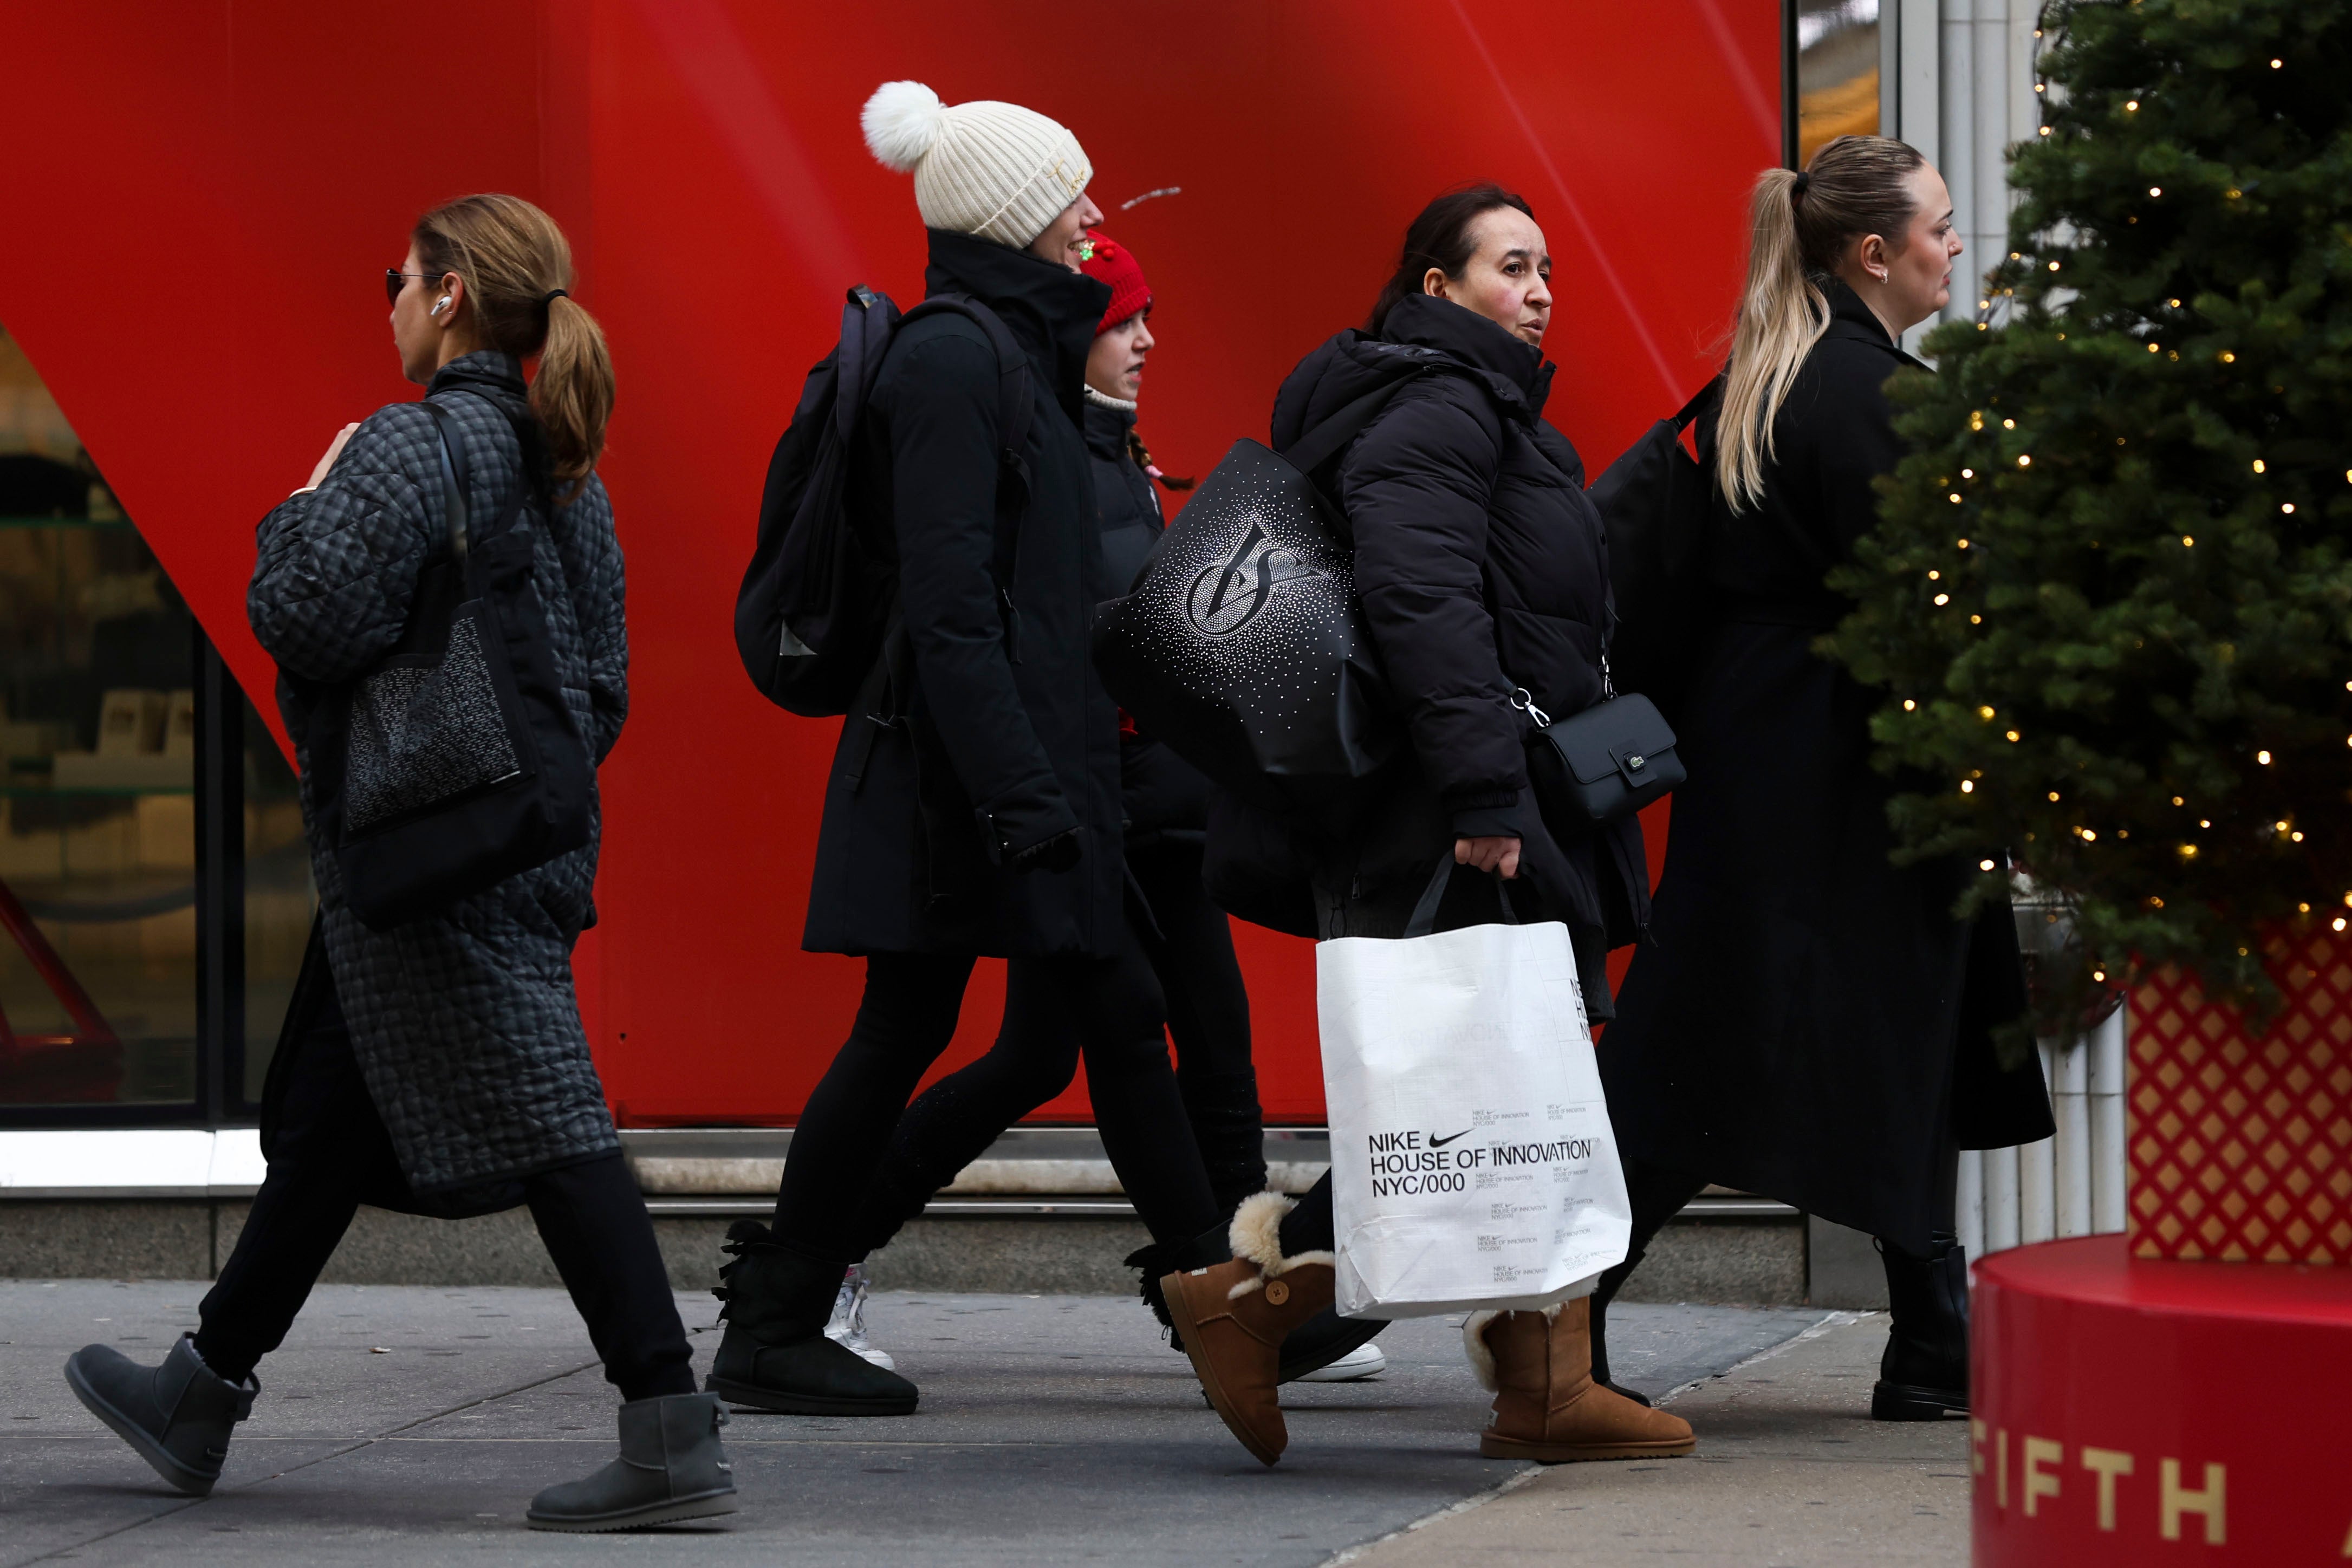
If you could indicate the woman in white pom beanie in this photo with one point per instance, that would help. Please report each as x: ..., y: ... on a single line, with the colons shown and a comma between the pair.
x: 994, y: 171
x: 973, y: 808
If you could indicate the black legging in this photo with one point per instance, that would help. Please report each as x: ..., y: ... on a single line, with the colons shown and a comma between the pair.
x: 332, y: 1153
x: 1208, y: 1018
x: 1191, y: 949
x: 843, y: 1193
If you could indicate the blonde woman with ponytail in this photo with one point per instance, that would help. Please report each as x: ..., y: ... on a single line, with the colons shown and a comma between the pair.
x: 439, y: 1066
x: 1810, y: 1023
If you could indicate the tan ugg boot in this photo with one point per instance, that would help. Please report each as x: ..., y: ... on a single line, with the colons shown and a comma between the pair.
x: 1547, y: 1406
x: 1233, y: 1318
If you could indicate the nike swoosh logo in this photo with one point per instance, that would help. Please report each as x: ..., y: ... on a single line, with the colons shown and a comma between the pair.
x: 1437, y: 1142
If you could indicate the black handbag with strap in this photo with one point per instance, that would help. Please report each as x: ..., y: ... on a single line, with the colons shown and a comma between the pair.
x: 455, y: 762
x: 1602, y: 765
x: 1241, y: 646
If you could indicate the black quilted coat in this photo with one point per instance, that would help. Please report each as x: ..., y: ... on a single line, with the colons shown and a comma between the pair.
x: 1483, y: 568
x: 986, y: 754
x: 1811, y: 1023
x: 465, y: 1026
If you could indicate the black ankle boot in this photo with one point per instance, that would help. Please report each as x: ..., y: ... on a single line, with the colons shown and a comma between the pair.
x: 672, y: 1467
x: 775, y: 1355
x: 1924, y: 1371
x: 178, y: 1417
x: 1603, y: 1295
x: 1206, y: 1250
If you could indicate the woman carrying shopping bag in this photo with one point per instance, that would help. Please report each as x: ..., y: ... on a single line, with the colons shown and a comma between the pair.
x: 1811, y: 1023
x: 435, y: 1063
x: 1483, y: 577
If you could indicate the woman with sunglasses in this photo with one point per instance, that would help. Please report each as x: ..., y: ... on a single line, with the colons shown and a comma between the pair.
x: 438, y: 1066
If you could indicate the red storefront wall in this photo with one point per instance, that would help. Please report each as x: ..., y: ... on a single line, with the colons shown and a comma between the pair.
x: 202, y: 199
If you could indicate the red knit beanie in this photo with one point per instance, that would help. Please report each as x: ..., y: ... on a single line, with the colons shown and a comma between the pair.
x: 1115, y: 264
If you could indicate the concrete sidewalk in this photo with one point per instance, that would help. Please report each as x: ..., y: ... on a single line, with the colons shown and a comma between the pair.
x: 411, y: 1425
x: 1789, y: 1471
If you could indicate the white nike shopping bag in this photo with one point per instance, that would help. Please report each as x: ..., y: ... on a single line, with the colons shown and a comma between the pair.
x: 1472, y: 1162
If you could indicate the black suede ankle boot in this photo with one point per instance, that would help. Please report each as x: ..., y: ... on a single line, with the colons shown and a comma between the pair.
x: 1924, y: 1372
x: 774, y: 1354
x: 177, y: 1416
x: 672, y: 1468
x: 1206, y: 1250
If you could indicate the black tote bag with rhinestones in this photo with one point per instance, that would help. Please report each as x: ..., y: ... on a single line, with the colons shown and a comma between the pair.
x: 455, y: 763
x: 1242, y: 645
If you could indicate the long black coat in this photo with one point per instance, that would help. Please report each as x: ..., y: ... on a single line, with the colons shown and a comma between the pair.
x: 1810, y: 1022
x: 1483, y: 568
x: 465, y: 1025
x: 985, y: 757
x: 1163, y: 796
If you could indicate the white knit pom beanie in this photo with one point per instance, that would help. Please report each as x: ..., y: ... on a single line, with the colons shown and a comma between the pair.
x: 994, y: 170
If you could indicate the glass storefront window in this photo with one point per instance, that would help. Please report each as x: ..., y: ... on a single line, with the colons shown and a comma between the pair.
x: 104, y: 731
x: 1837, y: 72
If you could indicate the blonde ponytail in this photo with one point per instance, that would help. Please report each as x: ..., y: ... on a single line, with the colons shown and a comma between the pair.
x: 517, y: 267
x: 1800, y: 226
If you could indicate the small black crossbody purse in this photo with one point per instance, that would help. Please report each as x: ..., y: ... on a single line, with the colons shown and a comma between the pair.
x: 1603, y: 764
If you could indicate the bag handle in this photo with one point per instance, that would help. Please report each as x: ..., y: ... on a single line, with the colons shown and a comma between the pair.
x: 454, y: 477
x: 1322, y: 443
x: 1425, y: 912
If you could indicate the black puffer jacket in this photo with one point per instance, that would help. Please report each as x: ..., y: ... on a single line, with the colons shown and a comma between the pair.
x: 1482, y: 567
x: 989, y: 757
x: 1165, y: 796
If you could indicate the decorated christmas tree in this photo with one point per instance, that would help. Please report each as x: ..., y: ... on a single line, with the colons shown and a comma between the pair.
x: 2110, y: 602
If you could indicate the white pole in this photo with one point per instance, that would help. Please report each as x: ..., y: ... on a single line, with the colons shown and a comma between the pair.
x: 2001, y: 1213
x: 2105, y: 1078
x: 1971, y: 1204
x: 2069, y: 1075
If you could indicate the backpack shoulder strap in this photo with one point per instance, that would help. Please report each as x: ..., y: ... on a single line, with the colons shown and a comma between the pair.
x: 1015, y: 405
x: 1015, y: 409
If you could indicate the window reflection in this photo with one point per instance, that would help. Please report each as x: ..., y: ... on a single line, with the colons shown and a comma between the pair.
x: 98, y: 741
x: 1837, y: 72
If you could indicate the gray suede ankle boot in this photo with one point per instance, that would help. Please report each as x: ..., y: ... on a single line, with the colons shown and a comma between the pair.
x: 671, y: 1467
x: 178, y: 1417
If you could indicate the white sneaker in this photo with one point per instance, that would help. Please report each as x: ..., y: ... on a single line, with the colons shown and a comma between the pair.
x: 847, y: 1328
x: 1364, y: 1361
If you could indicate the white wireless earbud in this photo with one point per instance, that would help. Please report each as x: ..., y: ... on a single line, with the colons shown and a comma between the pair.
x: 440, y: 304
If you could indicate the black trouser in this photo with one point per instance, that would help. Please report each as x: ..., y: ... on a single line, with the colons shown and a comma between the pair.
x: 1660, y: 1192
x: 1192, y: 951
x: 854, y: 1172
x: 332, y: 1153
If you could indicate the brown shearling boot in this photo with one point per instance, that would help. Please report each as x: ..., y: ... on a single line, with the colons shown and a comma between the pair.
x: 1233, y: 1318
x: 1547, y: 1406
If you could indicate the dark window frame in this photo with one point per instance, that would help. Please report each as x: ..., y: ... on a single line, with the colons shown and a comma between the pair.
x: 220, y: 971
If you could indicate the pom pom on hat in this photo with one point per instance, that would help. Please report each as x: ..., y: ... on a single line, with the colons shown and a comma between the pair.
x: 902, y: 122
x: 994, y: 171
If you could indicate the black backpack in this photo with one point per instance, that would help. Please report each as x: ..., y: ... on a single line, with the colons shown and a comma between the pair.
x: 817, y: 603
x: 1654, y: 502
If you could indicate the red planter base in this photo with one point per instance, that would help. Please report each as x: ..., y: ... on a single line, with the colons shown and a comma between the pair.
x: 2139, y: 1413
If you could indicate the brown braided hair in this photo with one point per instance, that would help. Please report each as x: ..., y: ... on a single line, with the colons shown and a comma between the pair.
x: 1142, y: 456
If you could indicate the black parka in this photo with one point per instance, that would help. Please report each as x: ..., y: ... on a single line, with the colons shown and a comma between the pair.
x: 1163, y: 796
x: 1483, y: 568
x: 985, y: 754
x: 1810, y: 1023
